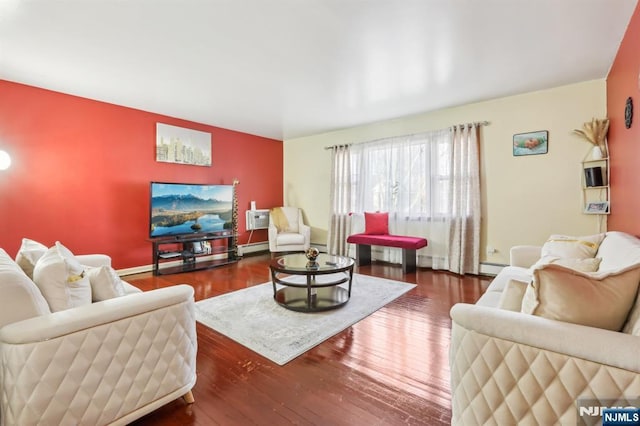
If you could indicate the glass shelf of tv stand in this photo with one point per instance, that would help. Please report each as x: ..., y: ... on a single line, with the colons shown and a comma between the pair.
x: 187, y: 253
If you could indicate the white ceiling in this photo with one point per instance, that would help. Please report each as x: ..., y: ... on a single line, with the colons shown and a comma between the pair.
x: 289, y: 68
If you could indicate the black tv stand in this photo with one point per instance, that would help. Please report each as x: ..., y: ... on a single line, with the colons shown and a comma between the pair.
x: 194, y: 252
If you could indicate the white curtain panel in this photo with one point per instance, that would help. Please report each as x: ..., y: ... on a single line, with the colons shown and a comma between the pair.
x: 464, y: 215
x: 340, y: 200
x: 429, y: 184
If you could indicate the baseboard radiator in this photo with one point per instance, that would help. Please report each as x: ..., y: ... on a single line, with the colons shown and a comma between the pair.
x: 486, y: 268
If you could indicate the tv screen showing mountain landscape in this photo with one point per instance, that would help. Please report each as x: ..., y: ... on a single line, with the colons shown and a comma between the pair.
x: 180, y: 209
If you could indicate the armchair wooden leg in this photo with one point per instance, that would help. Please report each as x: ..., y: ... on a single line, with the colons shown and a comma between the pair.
x: 188, y: 398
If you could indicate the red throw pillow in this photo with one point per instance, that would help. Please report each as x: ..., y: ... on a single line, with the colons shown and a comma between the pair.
x: 376, y: 223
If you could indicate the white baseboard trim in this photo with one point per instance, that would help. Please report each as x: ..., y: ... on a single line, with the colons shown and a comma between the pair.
x: 491, y: 268
x: 486, y: 268
x: 252, y: 248
x: 149, y: 268
x: 135, y: 270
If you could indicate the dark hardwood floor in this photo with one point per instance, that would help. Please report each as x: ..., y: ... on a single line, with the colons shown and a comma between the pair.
x: 389, y: 369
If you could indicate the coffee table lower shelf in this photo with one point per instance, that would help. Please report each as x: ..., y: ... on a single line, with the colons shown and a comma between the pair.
x: 322, y: 298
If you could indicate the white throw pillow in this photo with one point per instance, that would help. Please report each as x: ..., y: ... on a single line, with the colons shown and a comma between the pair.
x: 28, y: 254
x: 105, y: 283
x: 600, y: 300
x: 61, y: 279
x: 20, y: 298
x: 589, y: 264
x: 565, y: 246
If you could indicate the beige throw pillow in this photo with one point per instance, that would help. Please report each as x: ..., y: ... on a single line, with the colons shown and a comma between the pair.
x: 589, y: 264
x: 279, y: 219
x: 105, y: 283
x: 597, y: 300
x: 512, y: 295
x: 61, y: 279
x: 28, y: 254
x: 565, y: 246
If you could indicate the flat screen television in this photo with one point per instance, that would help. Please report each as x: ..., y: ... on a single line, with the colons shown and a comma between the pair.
x: 179, y: 209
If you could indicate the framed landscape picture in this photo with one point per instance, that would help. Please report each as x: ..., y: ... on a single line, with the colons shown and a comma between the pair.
x: 531, y: 143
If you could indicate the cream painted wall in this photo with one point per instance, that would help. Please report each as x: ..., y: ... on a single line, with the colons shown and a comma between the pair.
x: 524, y: 199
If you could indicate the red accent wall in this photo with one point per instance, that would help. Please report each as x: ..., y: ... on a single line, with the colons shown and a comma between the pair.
x: 624, y: 144
x: 81, y: 171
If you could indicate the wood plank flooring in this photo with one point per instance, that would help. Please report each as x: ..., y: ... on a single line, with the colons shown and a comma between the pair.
x: 389, y: 369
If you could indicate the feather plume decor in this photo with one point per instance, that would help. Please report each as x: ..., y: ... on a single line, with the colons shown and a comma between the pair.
x: 595, y: 132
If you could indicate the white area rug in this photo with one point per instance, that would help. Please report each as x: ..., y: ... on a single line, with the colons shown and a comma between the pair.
x: 252, y: 318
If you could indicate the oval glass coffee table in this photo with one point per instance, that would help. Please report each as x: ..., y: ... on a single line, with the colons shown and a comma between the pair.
x: 305, y: 286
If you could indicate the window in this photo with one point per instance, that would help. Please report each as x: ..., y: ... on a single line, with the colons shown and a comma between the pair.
x: 407, y: 176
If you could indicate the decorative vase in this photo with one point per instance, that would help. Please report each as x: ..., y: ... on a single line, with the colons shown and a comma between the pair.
x: 312, y: 253
x: 596, y: 153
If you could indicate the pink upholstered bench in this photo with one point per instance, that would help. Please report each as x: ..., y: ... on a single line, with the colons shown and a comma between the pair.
x: 409, y: 245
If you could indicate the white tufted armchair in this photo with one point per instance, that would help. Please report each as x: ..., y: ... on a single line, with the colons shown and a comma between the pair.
x: 287, y: 231
x: 109, y: 362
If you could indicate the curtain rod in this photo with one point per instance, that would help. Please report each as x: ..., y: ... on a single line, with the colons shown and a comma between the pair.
x: 477, y: 123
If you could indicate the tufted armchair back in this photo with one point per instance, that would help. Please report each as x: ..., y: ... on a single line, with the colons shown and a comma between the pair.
x: 287, y: 231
